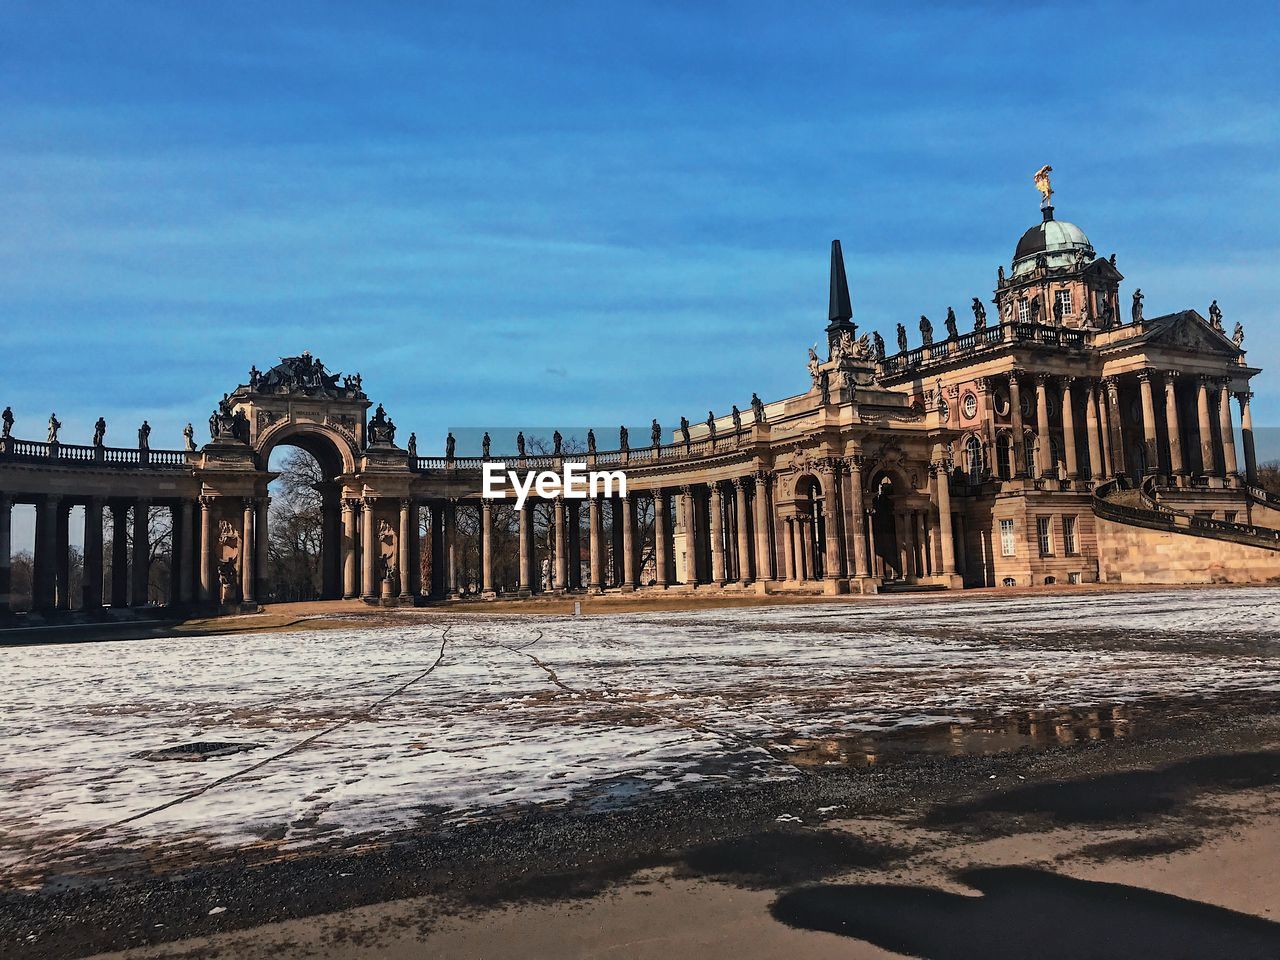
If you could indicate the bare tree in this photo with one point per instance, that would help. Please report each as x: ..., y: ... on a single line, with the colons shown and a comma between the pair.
x: 295, y: 530
x: 1269, y: 476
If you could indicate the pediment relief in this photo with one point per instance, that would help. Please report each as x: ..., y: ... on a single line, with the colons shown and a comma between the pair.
x: 1188, y: 331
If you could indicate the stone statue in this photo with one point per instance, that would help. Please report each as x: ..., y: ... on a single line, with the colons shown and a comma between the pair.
x: 952, y: 329
x: 381, y: 429
x: 813, y: 364
x: 711, y: 426
x: 684, y: 430
x: 591, y: 440
x: 1238, y: 337
x: 99, y: 431
x: 655, y: 432
x: 757, y: 408
x: 412, y: 448
x: 213, y: 425
x: 979, y: 314
x: 484, y: 445
x: 1137, y: 306
x: 239, y: 426
x: 557, y: 442
x: 878, y: 342
x: 520, y: 443
x: 1086, y: 319
x: 926, y: 331
x: 1042, y: 262
x: 189, y: 436
x: 824, y: 386
x: 255, y: 376
x: 450, y: 445
x: 1108, y: 318
x: 736, y: 415
x: 1035, y: 309
x: 624, y: 441
x: 54, y: 426
x: 902, y: 339
x: 1215, y: 316
x: 546, y: 573
x: 1057, y: 311
x: 144, y: 435
x: 6, y: 419
x: 1112, y: 261
x: 1000, y: 275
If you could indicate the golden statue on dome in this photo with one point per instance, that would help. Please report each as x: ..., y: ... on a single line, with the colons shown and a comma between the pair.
x: 1042, y: 184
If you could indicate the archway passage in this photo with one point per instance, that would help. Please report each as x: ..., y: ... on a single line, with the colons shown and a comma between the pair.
x: 888, y: 553
x: 303, y: 522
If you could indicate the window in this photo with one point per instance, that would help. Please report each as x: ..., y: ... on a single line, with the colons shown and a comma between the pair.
x: 1064, y: 299
x: 1006, y: 539
x: 1044, y: 531
x: 1024, y: 310
x: 973, y: 464
x: 944, y: 409
x: 1230, y: 516
x: 1009, y: 581
x: 1029, y: 452
x: 1069, y: 535
x: 1073, y: 577
x: 969, y: 406
x: 1004, y: 456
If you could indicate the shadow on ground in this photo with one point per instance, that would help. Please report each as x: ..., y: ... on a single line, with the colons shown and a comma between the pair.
x: 1118, y: 797
x: 1025, y: 912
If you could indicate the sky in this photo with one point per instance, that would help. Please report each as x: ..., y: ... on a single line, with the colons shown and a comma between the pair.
x: 542, y: 215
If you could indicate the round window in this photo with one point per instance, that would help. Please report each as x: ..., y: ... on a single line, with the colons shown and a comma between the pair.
x: 944, y: 409
x: 969, y: 406
x: 1025, y: 404
x: 1002, y: 404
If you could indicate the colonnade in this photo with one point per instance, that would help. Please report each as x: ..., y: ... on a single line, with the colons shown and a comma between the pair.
x: 1170, y: 443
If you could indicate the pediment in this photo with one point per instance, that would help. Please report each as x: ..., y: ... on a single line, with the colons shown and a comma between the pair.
x: 1189, y: 331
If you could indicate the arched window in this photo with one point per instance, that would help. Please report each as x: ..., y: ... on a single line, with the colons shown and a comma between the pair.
x: 973, y: 461
x: 1029, y: 450
x: 1004, y: 456
x: 1008, y: 582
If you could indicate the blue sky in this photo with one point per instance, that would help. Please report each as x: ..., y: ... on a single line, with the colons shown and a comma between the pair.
x: 542, y: 214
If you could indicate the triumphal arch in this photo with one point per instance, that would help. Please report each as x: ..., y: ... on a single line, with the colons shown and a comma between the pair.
x: 1061, y: 437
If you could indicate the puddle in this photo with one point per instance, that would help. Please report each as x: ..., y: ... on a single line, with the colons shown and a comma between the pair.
x: 203, y: 750
x: 1028, y: 729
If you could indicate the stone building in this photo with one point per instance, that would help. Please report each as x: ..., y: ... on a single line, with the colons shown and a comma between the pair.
x: 1060, y: 440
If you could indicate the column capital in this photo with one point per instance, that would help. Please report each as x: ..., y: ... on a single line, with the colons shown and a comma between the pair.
x: 982, y: 383
x: 406, y: 503
x: 1015, y: 374
x: 1244, y: 396
x: 717, y: 486
x: 1067, y: 380
x: 1043, y: 379
x: 207, y: 501
x: 740, y: 483
x: 763, y: 477
x: 369, y: 502
x: 250, y: 503
x: 686, y: 489
x: 1171, y: 375
x: 1145, y: 375
x: 1205, y: 378
x: 1226, y: 382
x: 1111, y: 382
x: 350, y: 503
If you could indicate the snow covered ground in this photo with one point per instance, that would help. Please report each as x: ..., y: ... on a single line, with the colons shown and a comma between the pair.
x: 365, y: 730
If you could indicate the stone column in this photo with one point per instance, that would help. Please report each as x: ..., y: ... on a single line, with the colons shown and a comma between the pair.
x: 1246, y: 435
x: 248, y: 551
x: 486, y: 547
x: 1116, y: 423
x: 44, y: 585
x: 805, y: 547
x: 406, y: 562
x: 350, y: 589
x: 186, y: 552
x: 526, y: 540
x: 630, y: 575
x: 764, y: 558
x: 1104, y: 429
x: 744, y: 539
x: 907, y: 542
x: 1150, y: 445
x: 6, y: 553
x: 1044, y: 444
x: 438, y: 587
x: 451, y: 547
x: 1020, y: 466
x: 561, y: 547
x: 942, y: 490
x: 1097, y: 469
x: 615, y: 541
x: 834, y: 568
x: 141, y: 568
x: 596, y: 541
x: 1207, y: 465
x: 1069, y: 429
x: 717, y: 533
x: 261, y: 534
x: 1230, y: 464
x: 1177, y: 465
x: 62, y: 567
x: 208, y: 574
x: 692, y: 565
x: 368, y: 552
x: 789, y: 548
x: 660, y: 537
x: 856, y: 532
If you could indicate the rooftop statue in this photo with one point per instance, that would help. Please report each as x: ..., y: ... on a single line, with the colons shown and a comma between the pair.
x: 1137, y: 306
x: 54, y: 426
x: 878, y: 342
x: 926, y: 331
x: 736, y: 414
x: 757, y: 408
x: 813, y: 364
x: 144, y: 436
x: 1041, y: 180
x: 189, y: 436
x: 6, y: 419
x: 520, y: 443
x: 303, y: 374
x: 99, y: 431
x: 591, y: 440
x: 979, y: 314
x: 485, y: 443
x: 557, y: 443
x: 450, y: 445
x: 902, y: 339
x: 1238, y: 337
x: 624, y: 441
x: 1215, y: 316
x: 381, y: 429
x: 711, y: 426
x: 412, y: 447
x: 684, y: 430
x: 655, y: 432
x: 952, y: 329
